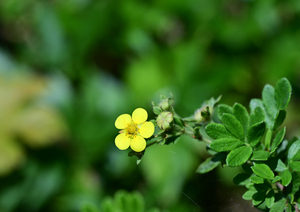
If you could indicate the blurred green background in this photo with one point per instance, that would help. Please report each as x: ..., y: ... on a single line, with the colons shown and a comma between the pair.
x: 69, y: 68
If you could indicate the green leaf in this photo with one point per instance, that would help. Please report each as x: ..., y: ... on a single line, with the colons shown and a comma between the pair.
x: 257, y: 115
x: 283, y: 91
x: 276, y: 179
x: 239, y: 156
x: 216, y: 131
x: 278, y: 206
x: 225, y: 144
x: 270, y: 198
x: 249, y: 194
x: 268, y: 97
x: 258, y: 197
x: 277, y: 139
x: 293, y: 150
x: 241, y: 114
x: 295, y: 165
x: 242, y: 179
x: 280, y: 167
x: 254, y: 103
x: 210, y: 163
x: 288, y: 208
x: 223, y: 109
x: 257, y: 180
x: 255, y: 133
x: 260, y: 155
x: 233, y: 126
x: 263, y: 171
x: 294, y: 186
x: 279, y: 119
x: 286, y: 177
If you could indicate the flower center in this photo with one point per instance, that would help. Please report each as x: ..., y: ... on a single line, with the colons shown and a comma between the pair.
x: 132, y: 129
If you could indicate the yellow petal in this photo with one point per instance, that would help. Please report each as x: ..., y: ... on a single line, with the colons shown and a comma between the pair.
x: 139, y: 115
x: 122, y: 121
x: 147, y: 129
x: 122, y: 141
x: 138, y: 143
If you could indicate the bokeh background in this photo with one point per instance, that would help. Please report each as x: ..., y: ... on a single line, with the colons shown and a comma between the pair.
x: 68, y: 68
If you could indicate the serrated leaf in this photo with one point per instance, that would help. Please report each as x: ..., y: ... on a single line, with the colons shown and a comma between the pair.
x: 210, y: 163
x: 268, y: 97
x: 263, y: 170
x: 255, y: 133
x: 270, y: 198
x: 225, y: 144
x: 283, y: 90
x: 242, y: 179
x: 257, y: 180
x: 239, y: 156
x: 279, y: 119
x: 258, y: 115
x: 278, y: 206
x: 286, y: 177
x: 260, y: 155
x: 249, y: 194
x: 233, y: 126
x: 241, y: 114
x: 223, y: 109
x: 277, y: 139
x: 216, y: 131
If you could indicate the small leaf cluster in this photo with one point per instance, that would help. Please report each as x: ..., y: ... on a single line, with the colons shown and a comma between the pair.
x: 256, y: 142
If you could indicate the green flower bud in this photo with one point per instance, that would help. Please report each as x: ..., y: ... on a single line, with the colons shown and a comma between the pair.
x: 203, y: 113
x: 164, y: 120
x: 164, y: 104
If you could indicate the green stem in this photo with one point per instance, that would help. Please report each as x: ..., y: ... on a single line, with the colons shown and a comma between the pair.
x: 268, y: 139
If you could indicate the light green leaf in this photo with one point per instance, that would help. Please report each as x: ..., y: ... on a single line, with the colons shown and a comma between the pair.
x: 277, y: 139
x: 223, y: 109
x: 263, y: 170
x: 260, y: 155
x: 295, y: 165
x: 254, y: 103
x: 280, y: 166
x: 278, y: 206
x: 268, y: 97
x: 256, y: 180
x: 276, y: 179
x: 293, y: 150
x: 286, y: 177
x: 270, y: 198
x: 239, y: 156
x: 233, y: 126
x: 225, y: 144
x: 255, y: 133
x: 210, y: 163
x: 241, y: 114
x: 216, y: 131
x: 249, y: 194
x: 283, y: 91
x: 257, y: 115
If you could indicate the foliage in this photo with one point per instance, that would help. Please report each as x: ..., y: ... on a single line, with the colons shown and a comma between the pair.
x: 255, y: 141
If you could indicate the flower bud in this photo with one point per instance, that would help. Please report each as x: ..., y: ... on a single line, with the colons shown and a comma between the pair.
x: 164, y: 104
x: 164, y: 120
x: 203, y: 113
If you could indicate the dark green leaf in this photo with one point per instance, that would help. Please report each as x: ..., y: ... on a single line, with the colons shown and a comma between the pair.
x: 223, y: 109
x: 239, y: 156
x: 278, y: 206
x: 257, y: 180
x: 286, y: 177
x: 260, y: 155
x: 216, y: 131
x: 241, y: 114
x: 270, y: 198
x: 225, y: 144
x: 258, y: 115
x: 233, y: 126
x: 210, y: 163
x: 263, y: 171
x: 294, y: 186
x: 283, y: 92
x: 279, y: 119
x: 255, y: 133
x: 268, y: 97
x: 258, y: 197
x: 277, y: 139
x: 242, y: 179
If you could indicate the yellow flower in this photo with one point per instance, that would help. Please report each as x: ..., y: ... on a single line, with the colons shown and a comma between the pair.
x: 134, y: 130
